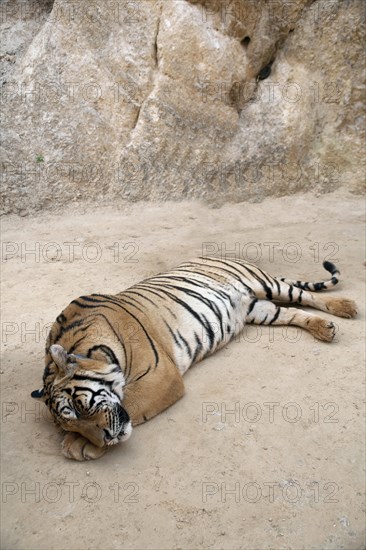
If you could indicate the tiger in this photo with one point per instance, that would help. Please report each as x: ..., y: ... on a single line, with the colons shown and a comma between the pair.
x: 113, y: 362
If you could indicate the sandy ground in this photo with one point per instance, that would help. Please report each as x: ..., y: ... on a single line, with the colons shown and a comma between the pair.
x: 284, y: 470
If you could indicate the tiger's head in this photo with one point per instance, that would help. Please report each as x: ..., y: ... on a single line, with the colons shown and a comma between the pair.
x: 84, y: 395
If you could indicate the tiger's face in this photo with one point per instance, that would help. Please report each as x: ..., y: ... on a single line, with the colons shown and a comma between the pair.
x: 84, y: 395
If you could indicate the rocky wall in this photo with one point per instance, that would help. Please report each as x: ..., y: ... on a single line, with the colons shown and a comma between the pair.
x: 224, y: 100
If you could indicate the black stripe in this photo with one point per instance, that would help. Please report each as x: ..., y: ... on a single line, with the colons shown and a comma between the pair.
x: 231, y: 273
x: 63, y: 330
x: 90, y: 299
x: 278, y: 286
x: 262, y: 282
x: 173, y: 335
x: 210, y: 332
x: 185, y: 343
x: 290, y: 290
x: 116, y: 300
x: 251, y: 305
x: 144, y: 287
x: 139, y: 294
x: 75, y: 344
x: 222, y: 295
x: 198, y: 349
x: 92, y: 394
x: 91, y: 379
x: 275, y: 317
x: 184, y: 305
x: 142, y: 375
x: 265, y: 275
x: 208, y: 303
x: 97, y: 303
x: 117, y: 336
x: 268, y: 290
x: 107, y: 351
x: 156, y: 355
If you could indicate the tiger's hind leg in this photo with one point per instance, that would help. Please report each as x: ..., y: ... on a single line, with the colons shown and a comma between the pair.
x: 263, y: 312
x: 341, y: 307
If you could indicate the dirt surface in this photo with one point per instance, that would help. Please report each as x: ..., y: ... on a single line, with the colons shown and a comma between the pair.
x: 284, y: 470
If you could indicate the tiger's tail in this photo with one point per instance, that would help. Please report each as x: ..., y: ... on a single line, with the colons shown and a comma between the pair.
x: 323, y: 285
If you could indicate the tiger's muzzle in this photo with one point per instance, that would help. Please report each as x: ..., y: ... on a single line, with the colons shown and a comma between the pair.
x: 122, y: 432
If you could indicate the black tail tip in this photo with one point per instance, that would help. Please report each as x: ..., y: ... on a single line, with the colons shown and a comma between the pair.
x: 37, y: 393
x: 330, y: 267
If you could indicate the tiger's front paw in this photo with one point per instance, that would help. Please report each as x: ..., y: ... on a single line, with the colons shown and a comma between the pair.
x: 322, y: 329
x: 77, y: 447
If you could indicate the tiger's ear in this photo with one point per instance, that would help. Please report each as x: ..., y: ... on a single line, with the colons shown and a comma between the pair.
x: 37, y: 394
x: 66, y: 362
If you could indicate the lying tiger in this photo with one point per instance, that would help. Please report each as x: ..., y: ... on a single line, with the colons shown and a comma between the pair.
x: 113, y: 361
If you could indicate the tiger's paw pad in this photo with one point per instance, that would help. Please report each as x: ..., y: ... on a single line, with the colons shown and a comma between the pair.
x: 322, y: 329
x: 77, y: 447
x: 342, y: 307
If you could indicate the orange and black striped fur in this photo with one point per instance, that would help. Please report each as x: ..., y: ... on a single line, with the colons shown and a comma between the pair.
x: 113, y: 361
